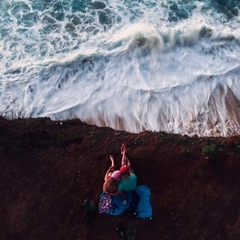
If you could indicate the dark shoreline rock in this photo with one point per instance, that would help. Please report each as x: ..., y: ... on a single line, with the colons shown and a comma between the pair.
x: 49, y: 167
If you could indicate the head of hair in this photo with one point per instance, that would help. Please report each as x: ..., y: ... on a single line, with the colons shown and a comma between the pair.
x: 124, y: 170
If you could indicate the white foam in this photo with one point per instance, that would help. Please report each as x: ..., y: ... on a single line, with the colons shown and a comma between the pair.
x: 138, y: 72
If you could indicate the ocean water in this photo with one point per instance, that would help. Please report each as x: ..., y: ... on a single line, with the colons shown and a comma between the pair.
x: 156, y: 65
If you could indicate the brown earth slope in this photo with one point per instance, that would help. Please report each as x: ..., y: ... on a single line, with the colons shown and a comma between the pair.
x: 48, y: 168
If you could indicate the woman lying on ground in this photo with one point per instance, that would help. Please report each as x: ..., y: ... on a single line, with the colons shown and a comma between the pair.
x: 129, y: 179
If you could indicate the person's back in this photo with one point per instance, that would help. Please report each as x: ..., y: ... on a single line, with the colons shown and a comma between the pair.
x: 110, y: 185
x: 128, y: 184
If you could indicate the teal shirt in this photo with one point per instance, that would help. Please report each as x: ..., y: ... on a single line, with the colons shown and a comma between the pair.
x: 128, y: 185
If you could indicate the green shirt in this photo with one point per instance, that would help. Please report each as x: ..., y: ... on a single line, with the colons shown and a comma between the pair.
x: 129, y: 184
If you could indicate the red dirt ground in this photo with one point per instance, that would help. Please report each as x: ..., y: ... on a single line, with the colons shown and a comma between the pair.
x: 48, y: 168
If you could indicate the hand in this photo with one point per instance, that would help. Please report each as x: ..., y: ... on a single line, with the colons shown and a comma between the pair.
x: 105, y: 190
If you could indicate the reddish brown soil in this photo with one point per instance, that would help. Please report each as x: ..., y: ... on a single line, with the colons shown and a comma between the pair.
x: 48, y: 168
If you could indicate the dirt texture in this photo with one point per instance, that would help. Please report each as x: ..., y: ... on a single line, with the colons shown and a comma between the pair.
x: 49, y: 167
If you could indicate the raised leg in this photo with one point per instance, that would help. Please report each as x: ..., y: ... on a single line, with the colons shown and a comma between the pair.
x: 125, y: 160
